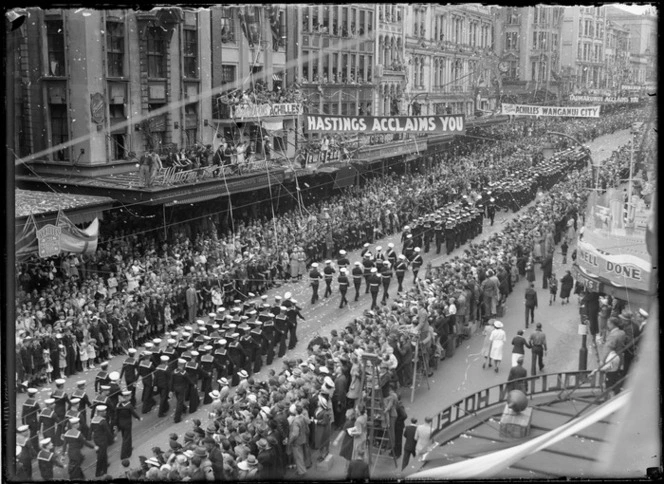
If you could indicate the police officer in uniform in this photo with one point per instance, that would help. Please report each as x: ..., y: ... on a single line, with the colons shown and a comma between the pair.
x: 342, y: 280
x: 102, y: 436
x: 74, y: 442
x: 129, y: 371
x: 125, y: 413
x: 374, y: 287
x: 400, y: 269
x: 328, y: 274
x: 30, y: 417
x: 46, y: 459
x: 416, y: 263
x: 162, y: 379
x: 145, y: 369
x: 314, y: 280
x: 357, y: 278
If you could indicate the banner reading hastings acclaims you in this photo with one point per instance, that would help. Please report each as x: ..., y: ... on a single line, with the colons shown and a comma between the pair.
x: 385, y: 124
x: 564, y: 111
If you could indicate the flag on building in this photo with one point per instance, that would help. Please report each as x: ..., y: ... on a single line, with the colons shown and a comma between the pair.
x: 26, y: 242
x: 73, y: 239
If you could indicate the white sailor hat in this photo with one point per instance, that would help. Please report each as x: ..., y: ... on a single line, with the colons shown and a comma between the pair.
x: 366, y: 244
x: 49, y: 401
x: 101, y: 408
x: 390, y: 245
x: 32, y: 391
x: 200, y: 321
x: 417, y: 249
x: 171, y: 341
x: 409, y: 236
x: 379, y: 248
x: 131, y: 351
x: 342, y: 252
x: 182, y: 361
x: 328, y: 261
x: 149, y: 345
x: 80, y: 383
x: 315, y: 264
x: 126, y: 393
x: 373, y: 269
x: 60, y: 381
x: 264, y: 297
x: 187, y: 328
x: 114, y: 375
x: 156, y: 341
x: 75, y: 400
x: 164, y: 358
x: 401, y: 256
x: 45, y: 441
x: 358, y: 263
x: 22, y: 428
x: 74, y: 420
x: 342, y: 270
x: 212, y: 315
x: 643, y: 313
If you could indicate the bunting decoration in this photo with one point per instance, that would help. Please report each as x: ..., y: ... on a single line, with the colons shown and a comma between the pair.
x: 73, y: 239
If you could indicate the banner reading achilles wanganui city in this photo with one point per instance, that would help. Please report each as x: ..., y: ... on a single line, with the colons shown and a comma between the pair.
x: 564, y: 111
x: 385, y: 124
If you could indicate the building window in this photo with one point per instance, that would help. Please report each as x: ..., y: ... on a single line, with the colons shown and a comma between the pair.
x: 156, y: 53
x: 227, y: 25
x: 55, y: 37
x: 511, y: 40
x: 59, y: 131
x: 305, y: 65
x: 190, y: 53
x: 115, y: 48
x: 118, y: 146
x: 369, y: 22
x: 191, y: 136
x: 228, y: 75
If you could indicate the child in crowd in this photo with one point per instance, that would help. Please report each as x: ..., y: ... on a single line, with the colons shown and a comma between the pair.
x: 553, y: 289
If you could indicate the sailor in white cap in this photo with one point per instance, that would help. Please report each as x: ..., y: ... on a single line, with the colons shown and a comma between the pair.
x: 342, y: 280
x: 179, y: 385
x: 314, y: 281
x: 123, y: 417
x: 342, y: 261
x: 130, y: 372
x: 74, y: 442
x: 416, y: 263
x: 328, y: 274
x: 102, y: 436
x: 30, y: 415
x: 46, y: 459
x: 374, y: 282
x: 357, y: 273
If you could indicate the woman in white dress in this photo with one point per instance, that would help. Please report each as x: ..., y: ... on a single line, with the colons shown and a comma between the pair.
x: 423, y: 436
x: 497, y: 338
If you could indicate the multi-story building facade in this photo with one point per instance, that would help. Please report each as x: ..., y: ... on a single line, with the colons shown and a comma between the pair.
x: 583, y: 46
x: 643, y: 31
x: 131, y: 63
x: 248, y: 54
x: 449, y: 50
x: 390, y: 59
x: 529, y: 48
x: 617, y: 56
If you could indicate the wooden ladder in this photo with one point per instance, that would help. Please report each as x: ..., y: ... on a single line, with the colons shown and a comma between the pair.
x: 378, y: 438
x: 421, y: 366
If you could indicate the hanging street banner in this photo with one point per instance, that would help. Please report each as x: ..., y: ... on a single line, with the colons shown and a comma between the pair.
x: 48, y: 238
x: 385, y: 124
x: 249, y: 110
x: 604, y: 99
x: 564, y: 111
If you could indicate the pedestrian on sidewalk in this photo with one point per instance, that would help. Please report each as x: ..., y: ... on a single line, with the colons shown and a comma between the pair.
x: 538, y: 343
x: 410, y: 443
x: 516, y: 373
x: 564, y: 247
x: 423, y: 437
x: 497, y: 338
x: 553, y: 289
x: 518, y: 345
x: 531, y: 303
x: 486, y: 346
x: 566, y: 285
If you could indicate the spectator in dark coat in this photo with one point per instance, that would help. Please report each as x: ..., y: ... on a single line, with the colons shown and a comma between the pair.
x: 358, y: 469
x: 517, y: 372
x: 566, y: 285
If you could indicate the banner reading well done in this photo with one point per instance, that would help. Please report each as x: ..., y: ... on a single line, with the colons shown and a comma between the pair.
x: 566, y: 111
x: 385, y: 124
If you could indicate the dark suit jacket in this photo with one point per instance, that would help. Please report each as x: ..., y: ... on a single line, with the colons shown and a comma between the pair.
x: 357, y: 469
x: 409, y: 434
x: 531, y: 298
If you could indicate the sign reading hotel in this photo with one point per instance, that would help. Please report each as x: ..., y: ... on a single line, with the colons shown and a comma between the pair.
x: 567, y: 112
x: 385, y: 124
x: 604, y: 99
x: 265, y: 110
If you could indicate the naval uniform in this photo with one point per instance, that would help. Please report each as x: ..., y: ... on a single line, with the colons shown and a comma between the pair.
x: 342, y: 280
x: 102, y: 436
x: 314, y: 280
x: 30, y: 417
x: 357, y: 280
x: 74, y: 441
x: 46, y: 461
x: 125, y: 412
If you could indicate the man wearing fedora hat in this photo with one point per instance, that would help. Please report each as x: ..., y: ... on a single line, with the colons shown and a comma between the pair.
x: 248, y: 468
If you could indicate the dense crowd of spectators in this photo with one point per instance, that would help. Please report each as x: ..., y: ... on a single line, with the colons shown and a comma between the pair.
x: 264, y: 428
x: 134, y: 287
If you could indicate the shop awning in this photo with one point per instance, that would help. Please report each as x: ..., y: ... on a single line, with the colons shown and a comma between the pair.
x: 273, y: 124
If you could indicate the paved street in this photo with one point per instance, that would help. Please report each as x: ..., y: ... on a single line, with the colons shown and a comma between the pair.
x: 455, y: 377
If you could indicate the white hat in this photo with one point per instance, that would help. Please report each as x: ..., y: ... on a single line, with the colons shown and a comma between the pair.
x: 407, y: 227
x: 182, y: 361
x: 323, y: 369
x: 409, y: 236
x: 402, y: 256
x: 101, y: 408
x: 223, y: 382
x: 33, y: 391
x: 49, y: 401
x: 174, y: 334
x: 171, y: 341
x: 328, y: 261
x: 74, y: 420
x: 60, y: 381
x: 126, y: 393
x: 214, y: 394
x: 328, y: 382
x: 156, y: 341
x: 75, y: 400
x: 342, y: 252
x: 194, y: 353
x: 417, y: 249
x: 149, y: 345
x: 45, y: 441
x: 187, y: 328
x: 358, y: 263
x: 366, y: 245
x: 131, y: 351
x: 390, y: 245
x: 342, y: 270
x: 373, y: 269
x: 379, y: 248
x: 315, y: 264
x: 164, y: 358
x: 23, y: 428
x: 498, y: 324
x: 114, y: 375
x: 243, y: 374
x: 288, y: 295
x: 643, y: 313
x: 212, y: 315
